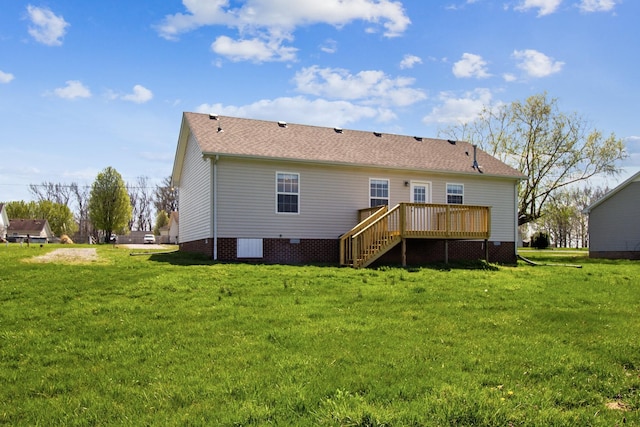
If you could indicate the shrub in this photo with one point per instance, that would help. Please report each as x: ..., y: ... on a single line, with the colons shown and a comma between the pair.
x: 540, y: 240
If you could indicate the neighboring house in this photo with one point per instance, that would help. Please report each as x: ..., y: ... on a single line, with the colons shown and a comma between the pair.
x: 169, y: 233
x: 164, y: 234
x: 4, y: 221
x: 287, y: 193
x: 37, y: 229
x: 173, y: 228
x: 614, y: 229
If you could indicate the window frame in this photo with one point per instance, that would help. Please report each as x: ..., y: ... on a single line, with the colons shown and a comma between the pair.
x: 451, y: 193
x: 287, y: 193
x: 387, y: 198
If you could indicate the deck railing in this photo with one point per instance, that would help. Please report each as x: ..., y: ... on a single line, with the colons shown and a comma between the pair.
x: 383, y: 229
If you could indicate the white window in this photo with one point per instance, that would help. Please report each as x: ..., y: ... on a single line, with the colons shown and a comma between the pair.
x: 378, y: 192
x: 455, y: 194
x: 287, y: 192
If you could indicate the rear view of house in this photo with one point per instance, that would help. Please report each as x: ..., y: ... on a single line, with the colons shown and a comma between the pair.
x: 614, y: 229
x: 288, y: 193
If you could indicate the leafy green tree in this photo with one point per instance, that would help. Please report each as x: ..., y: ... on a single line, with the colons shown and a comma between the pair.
x: 162, y: 219
x: 59, y: 216
x: 20, y: 209
x: 109, y: 204
x: 551, y: 148
x: 562, y: 218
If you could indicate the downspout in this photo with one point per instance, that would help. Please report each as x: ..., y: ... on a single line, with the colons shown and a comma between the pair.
x: 215, y: 207
x: 517, y: 229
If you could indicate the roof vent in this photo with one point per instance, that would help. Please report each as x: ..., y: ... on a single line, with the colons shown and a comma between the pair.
x: 282, y: 124
x: 418, y: 138
x: 451, y: 141
x: 338, y: 130
x: 378, y: 134
x: 220, y: 129
x: 213, y: 117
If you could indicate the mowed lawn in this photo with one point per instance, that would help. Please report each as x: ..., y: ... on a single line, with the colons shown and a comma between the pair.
x: 170, y: 339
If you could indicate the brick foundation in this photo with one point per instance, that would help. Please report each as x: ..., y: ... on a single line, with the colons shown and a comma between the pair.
x: 634, y: 255
x: 283, y: 251
x: 198, y: 246
x: 327, y: 251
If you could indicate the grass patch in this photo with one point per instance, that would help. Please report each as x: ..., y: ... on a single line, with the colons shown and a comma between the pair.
x: 174, y: 339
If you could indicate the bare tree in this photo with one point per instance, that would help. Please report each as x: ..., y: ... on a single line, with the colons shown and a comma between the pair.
x: 141, y: 202
x: 53, y: 192
x: 166, y: 197
x: 551, y: 148
x: 81, y: 196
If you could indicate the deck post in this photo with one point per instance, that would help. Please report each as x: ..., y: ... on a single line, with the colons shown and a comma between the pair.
x: 404, y: 252
x: 486, y: 250
x: 446, y: 251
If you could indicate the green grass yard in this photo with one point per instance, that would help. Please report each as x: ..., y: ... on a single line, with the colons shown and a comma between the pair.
x: 171, y: 339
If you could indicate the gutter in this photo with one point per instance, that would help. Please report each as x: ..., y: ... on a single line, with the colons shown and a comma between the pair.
x: 214, y: 187
x: 470, y: 172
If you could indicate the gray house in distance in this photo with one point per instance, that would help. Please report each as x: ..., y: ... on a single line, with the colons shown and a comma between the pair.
x: 614, y: 228
x: 276, y: 192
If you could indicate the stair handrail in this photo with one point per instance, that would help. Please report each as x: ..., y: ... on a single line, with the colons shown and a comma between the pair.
x: 359, y: 250
x: 346, y: 249
x: 389, y: 212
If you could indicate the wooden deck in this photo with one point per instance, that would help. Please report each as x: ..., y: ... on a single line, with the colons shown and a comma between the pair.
x: 381, y: 228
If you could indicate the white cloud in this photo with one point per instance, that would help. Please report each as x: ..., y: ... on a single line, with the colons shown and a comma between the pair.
x: 408, y: 61
x: 536, y: 64
x: 329, y: 46
x: 632, y: 146
x: 508, y: 77
x: 597, y: 5
x: 268, y: 22
x: 46, y: 27
x: 545, y: 7
x: 371, y: 87
x: 73, y: 89
x: 299, y: 109
x: 5, y: 77
x: 471, y: 65
x: 253, y: 50
x: 140, y: 95
x: 458, y: 110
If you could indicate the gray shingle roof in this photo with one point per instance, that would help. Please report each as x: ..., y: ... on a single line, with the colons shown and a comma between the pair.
x: 274, y: 140
x: 27, y: 225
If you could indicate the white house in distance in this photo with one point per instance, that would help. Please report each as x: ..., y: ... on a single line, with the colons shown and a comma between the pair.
x: 614, y: 228
x: 173, y: 227
x: 37, y: 230
x: 4, y: 221
x: 276, y: 192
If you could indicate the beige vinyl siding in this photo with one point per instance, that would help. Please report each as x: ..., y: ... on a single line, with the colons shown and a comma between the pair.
x: 247, y: 201
x: 496, y: 193
x: 195, y: 195
x: 330, y: 197
x: 614, y: 225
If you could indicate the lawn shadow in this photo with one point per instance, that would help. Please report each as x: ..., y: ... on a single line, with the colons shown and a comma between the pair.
x: 441, y: 266
x: 181, y: 258
x: 187, y: 258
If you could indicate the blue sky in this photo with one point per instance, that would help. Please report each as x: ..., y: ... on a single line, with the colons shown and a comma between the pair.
x: 85, y: 85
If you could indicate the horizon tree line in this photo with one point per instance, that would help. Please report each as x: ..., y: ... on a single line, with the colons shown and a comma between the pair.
x: 67, y: 206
